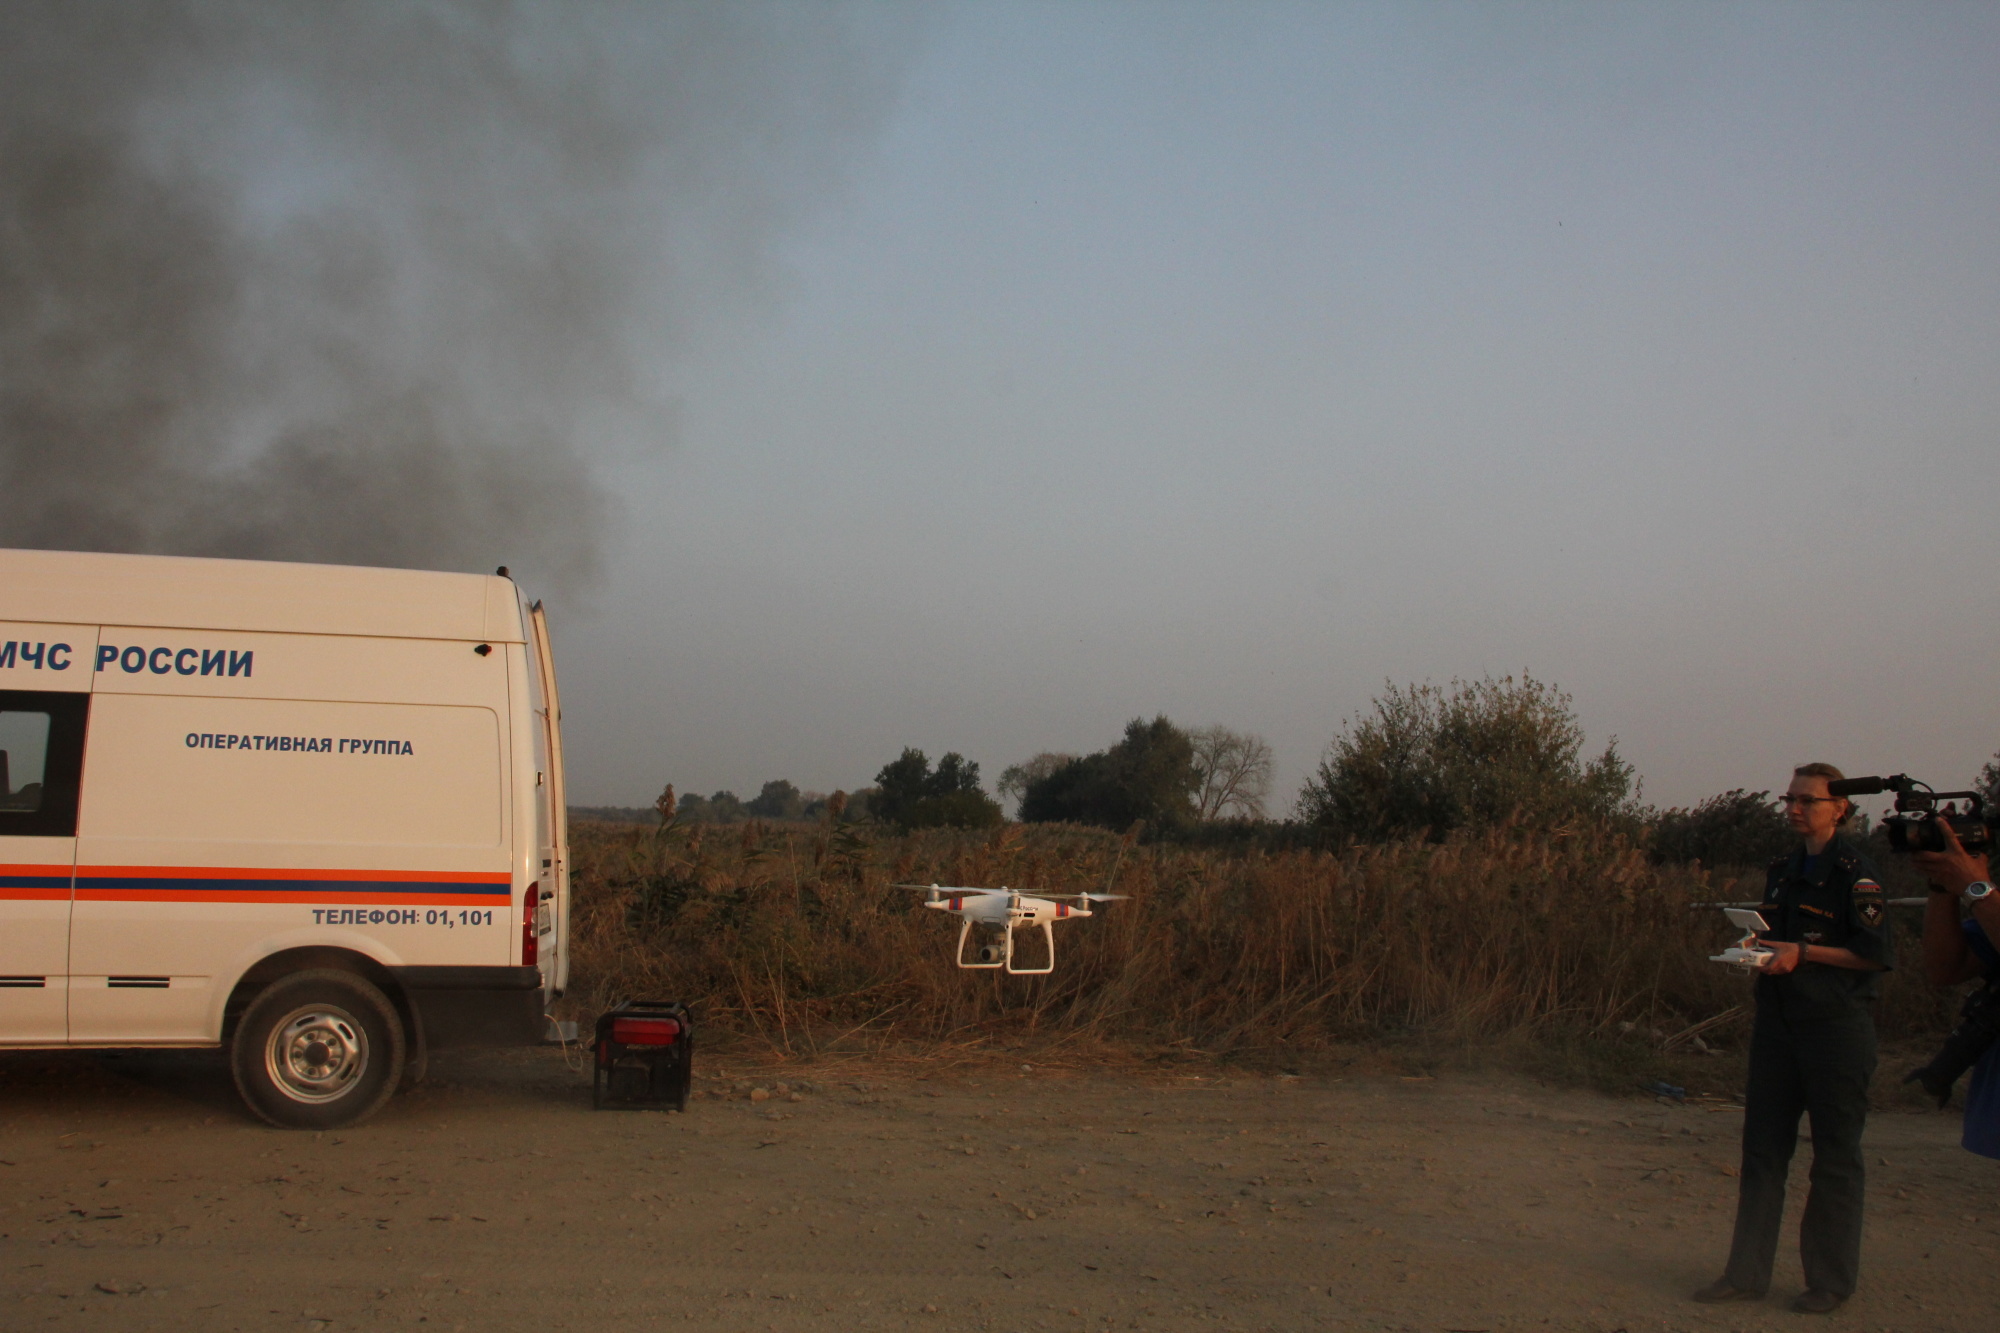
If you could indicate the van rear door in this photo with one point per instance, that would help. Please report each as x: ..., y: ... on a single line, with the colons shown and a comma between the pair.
x: 553, y: 932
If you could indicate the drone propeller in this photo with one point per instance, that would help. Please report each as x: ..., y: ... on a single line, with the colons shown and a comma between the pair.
x: 945, y: 889
x: 948, y: 890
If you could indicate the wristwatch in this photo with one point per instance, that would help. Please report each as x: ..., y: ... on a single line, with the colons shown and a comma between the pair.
x: 1978, y: 891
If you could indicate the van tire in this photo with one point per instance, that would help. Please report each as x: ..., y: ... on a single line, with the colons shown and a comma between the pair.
x: 317, y: 1050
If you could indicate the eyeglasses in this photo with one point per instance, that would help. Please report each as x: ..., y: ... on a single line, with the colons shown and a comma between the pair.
x: 1789, y: 799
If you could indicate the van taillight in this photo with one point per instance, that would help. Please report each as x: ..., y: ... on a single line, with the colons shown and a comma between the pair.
x: 644, y: 1031
x: 531, y: 949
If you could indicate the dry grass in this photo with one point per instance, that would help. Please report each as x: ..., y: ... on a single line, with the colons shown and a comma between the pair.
x: 790, y: 935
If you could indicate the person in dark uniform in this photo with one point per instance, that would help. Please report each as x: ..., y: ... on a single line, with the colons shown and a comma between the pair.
x: 1961, y: 924
x: 1812, y: 1052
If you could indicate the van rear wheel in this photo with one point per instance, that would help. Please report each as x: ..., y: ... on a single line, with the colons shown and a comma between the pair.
x: 317, y: 1050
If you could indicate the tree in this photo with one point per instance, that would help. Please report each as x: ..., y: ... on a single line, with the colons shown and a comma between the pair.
x: 909, y: 793
x: 955, y: 773
x: 1474, y: 753
x: 1232, y: 773
x: 900, y: 785
x: 1988, y: 784
x: 778, y: 800
x: 1015, y: 779
x: 721, y: 808
x: 1148, y: 775
x: 1736, y: 828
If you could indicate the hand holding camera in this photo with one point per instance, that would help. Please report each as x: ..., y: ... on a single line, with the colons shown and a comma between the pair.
x: 1953, y: 868
x: 1918, y: 826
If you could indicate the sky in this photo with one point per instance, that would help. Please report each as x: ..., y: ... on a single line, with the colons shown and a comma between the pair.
x: 1233, y: 361
x: 980, y: 376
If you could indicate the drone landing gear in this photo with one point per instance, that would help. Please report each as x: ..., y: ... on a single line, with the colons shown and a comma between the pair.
x: 996, y: 950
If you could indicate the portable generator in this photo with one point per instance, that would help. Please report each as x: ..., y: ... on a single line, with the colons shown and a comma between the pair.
x: 645, y: 1057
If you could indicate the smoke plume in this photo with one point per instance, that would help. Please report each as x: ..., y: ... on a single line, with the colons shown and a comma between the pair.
x: 368, y: 283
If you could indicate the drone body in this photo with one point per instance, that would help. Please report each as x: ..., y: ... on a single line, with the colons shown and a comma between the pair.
x: 998, y: 913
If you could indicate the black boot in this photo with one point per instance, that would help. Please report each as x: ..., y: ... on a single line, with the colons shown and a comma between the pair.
x: 1937, y: 1082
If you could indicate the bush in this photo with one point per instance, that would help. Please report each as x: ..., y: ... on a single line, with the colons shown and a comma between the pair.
x: 957, y: 809
x: 1148, y: 775
x: 1475, y: 754
x: 1737, y: 828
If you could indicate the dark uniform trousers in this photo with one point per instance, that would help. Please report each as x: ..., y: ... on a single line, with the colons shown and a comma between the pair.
x: 1812, y: 1054
x: 1819, y: 1066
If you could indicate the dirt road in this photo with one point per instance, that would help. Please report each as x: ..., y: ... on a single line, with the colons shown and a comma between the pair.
x: 1005, y: 1197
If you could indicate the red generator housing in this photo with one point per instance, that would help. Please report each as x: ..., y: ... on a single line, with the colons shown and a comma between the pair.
x: 645, y: 1057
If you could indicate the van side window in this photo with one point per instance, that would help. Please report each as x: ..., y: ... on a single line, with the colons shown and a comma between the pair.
x: 41, y: 761
x: 24, y: 754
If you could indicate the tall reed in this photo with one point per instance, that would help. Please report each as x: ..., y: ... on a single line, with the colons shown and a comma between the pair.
x: 795, y: 933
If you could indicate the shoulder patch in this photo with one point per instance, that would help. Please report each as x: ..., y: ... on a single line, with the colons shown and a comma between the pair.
x: 1868, y: 903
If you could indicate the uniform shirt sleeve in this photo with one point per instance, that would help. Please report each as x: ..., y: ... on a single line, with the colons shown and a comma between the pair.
x: 1982, y: 948
x: 1868, y: 918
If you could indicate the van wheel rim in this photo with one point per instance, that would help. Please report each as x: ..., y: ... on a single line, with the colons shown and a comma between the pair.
x: 316, y: 1054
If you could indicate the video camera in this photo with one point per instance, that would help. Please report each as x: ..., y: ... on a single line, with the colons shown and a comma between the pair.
x: 1915, y: 827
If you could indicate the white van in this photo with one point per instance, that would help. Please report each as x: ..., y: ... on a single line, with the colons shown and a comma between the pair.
x: 311, y: 813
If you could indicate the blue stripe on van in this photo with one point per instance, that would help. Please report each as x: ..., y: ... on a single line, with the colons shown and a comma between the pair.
x: 34, y: 881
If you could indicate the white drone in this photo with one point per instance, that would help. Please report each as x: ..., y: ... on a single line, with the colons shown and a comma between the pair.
x: 998, y: 912
x: 1745, y: 954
